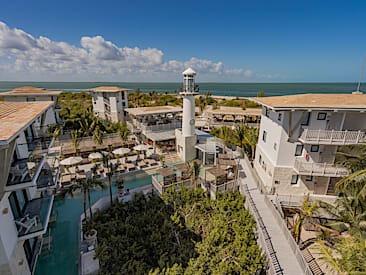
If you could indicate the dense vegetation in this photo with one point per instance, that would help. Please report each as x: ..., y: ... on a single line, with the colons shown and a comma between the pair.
x: 183, y: 232
x: 243, y: 136
x: 138, y: 99
x: 343, y: 243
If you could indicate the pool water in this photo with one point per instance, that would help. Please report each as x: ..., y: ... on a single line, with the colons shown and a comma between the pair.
x: 63, y: 259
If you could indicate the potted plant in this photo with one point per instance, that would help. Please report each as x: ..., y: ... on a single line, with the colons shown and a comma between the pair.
x: 162, y: 160
x: 90, y: 234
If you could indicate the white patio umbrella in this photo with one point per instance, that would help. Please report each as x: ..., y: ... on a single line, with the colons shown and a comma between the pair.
x: 71, y: 161
x: 121, y: 151
x: 94, y: 156
x: 141, y: 147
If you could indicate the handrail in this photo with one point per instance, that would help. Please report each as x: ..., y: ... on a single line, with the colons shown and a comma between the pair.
x: 263, y: 236
x: 295, y: 248
x: 333, y: 136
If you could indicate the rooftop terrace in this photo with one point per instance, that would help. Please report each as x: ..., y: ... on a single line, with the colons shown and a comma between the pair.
x: 142, y: 111
x: 356, y: 102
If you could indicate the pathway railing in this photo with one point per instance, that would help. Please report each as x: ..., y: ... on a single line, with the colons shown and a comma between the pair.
x: 263, y: 235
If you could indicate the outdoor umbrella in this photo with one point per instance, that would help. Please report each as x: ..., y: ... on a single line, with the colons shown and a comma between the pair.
x: 71, y: 161
x: 141, y: 147
x: 121, y: 151
x: 94, y: 156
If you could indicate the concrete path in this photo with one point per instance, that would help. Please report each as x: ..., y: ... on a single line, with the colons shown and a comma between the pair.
x: 285, y: 256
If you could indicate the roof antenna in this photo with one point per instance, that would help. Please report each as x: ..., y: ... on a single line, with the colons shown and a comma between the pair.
x: 359, y: 82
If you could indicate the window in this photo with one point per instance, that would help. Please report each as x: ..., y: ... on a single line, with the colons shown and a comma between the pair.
x: 275, y: 146
x: 309, y: 178
x: 277, y: 182
x: 299, y: 148
x: 31, y: 99
x: 322, y: 116
x: 266, y: 112
x: 279, y: 118
x: 264, y: 136
x: 294, y: 179
x: 305, y: 121
x: 314, y: 148
x: 260, y: 159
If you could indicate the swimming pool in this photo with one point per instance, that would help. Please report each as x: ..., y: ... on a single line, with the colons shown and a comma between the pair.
x: 63, y: 258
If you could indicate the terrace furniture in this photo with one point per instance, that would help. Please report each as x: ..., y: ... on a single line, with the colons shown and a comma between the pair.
x: 27, y: 223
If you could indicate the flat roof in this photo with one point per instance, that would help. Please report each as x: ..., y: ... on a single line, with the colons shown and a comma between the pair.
x: 16, y: 116
x: 166, y: 172
x: 182, y: 167
x: 141, y: 111
x: 30, y: 91
x: 314, y: 101
x: 236, y: 111
x: 216, y: 172
x: 161, y: 135
x: 109, y: 89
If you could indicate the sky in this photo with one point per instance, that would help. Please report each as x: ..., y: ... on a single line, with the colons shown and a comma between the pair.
x: 143, y: 41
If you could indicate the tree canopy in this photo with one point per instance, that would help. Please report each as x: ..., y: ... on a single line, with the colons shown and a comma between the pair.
x: 182, y: 232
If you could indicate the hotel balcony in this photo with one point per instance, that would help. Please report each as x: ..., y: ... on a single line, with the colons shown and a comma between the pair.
x: 25, y: 172
x: 319, y: 169
x: 332, y: 137
x: 34, y: 219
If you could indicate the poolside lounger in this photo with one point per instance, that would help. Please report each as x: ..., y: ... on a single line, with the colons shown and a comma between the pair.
x: 27, y: 223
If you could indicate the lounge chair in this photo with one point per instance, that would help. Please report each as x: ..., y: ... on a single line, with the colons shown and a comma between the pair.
x: 27, y: 223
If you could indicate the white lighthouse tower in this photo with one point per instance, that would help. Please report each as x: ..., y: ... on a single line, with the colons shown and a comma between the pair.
x: 186, y: 138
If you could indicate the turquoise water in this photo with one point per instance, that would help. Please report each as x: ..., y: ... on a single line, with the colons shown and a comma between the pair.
x: 64, y: 257
x: 229, y: 89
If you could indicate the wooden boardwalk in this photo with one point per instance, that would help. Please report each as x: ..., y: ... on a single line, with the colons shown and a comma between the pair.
x: 277, y: 244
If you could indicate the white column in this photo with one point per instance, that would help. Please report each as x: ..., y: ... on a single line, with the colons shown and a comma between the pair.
x: 188, y: 116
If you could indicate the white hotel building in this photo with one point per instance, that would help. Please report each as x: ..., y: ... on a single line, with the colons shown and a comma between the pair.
x: 110, y: 102
x: 27, y: 172
x: 299, y: 136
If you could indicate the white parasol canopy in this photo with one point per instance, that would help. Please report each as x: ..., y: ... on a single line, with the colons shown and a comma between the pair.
x: 71, y: 161
x: 121, y: 151
x: 142, y: 147
x: 95, y: 155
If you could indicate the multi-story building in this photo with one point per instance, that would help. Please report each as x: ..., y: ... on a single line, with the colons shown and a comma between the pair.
x: 110, y: 102
x: 29, y: 94
x: 299, y: 137
x: 27, y: 171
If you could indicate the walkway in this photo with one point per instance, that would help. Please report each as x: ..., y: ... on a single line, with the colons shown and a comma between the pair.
x: 278, y: 241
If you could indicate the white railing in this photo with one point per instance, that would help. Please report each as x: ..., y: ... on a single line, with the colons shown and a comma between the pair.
x: 162, y: 188
x: 319, y: 169
x: 332, y: 137
x: 156, y: 128
x: 223, y: 188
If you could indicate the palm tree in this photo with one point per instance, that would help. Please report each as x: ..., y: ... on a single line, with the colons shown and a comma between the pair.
x: 194, y: 169
x: 225, y: 133
x: 98, y: 135
x: 202, y: 103
x: 92, y: 183
x: 123, y: 132
x: 251, y: 138
x: 239, y: 135
x: 306, y: 211
x: 112, y: 168
x: 75, y: 138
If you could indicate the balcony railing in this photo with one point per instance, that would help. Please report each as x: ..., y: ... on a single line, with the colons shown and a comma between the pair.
x: 319, y: 169
x: 175, y: 124
x: 332, y: 137
x: 161, y: 187
x: 34, y: 220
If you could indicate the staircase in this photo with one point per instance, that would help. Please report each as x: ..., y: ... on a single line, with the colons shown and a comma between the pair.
x: 312, y: 262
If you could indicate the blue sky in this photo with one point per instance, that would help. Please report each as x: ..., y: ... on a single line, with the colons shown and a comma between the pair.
x: 241, y: 41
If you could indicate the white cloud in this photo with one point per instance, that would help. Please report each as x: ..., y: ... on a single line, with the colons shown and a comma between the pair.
x: 24, y: 57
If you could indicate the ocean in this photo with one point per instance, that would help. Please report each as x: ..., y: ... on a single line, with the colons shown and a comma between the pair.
x: 220, y: 89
